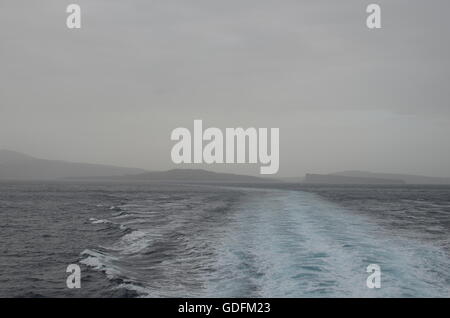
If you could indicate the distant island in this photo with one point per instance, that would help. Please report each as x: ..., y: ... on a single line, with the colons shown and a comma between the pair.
x: 406, y: 178
x: 192, y: 176
x: 338, y: 179
x: 19, y: 166
x: 363, y: 177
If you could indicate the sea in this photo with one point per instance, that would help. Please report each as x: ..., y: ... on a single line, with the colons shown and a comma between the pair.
x: 212, y: 240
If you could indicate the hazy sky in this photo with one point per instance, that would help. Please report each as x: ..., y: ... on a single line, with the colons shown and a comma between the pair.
x: 344, y: 97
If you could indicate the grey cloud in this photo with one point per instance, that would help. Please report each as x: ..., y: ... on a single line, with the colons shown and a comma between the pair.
x: 112, y: 91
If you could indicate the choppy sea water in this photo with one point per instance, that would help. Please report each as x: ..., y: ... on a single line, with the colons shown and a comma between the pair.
x: 155, y: 240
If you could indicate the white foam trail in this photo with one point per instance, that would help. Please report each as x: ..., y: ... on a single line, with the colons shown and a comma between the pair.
x: 294, y: 244
x: 132, y: 243
x: 273, y: 244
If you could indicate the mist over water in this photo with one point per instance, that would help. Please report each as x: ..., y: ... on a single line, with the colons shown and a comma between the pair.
x: 210, y: 241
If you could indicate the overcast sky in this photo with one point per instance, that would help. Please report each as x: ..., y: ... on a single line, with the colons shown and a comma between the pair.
x: 344, y: 97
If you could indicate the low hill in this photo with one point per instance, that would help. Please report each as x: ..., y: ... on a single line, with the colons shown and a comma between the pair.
x: 18, y: 166
x: 192, y: 176
x: 407, y: 178
x: 338, y: 179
